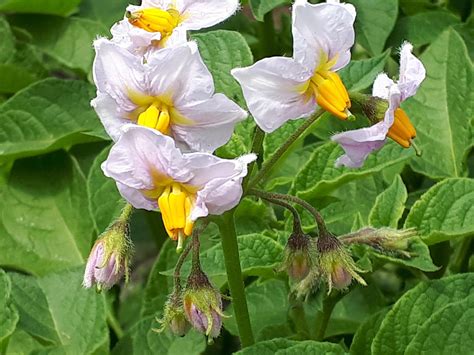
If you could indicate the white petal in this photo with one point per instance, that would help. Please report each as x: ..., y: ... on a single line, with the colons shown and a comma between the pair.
x: 322, y: 29
x: 181, y: 73
x: 110, y: 115
x: 142, y: 156
x: 412, y: 72
x: 117, y: 72
x: 159, y: 4
x: 136, y: 198
x: 132, y: 38
x: 272, y: 88
x: 382, y: 85
x: 222, y: 181
x: 213, y: 122
x: 206, y: 13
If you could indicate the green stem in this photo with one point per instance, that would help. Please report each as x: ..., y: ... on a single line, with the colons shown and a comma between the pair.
x: 267, y: 35
x: 257, y: 148
x: 267, y: 167
x: 323, y: 320
x: 126, y: 212
x: 294, y: 212
x: 299, y: 317
x: 462, y: 255
x: 234, y: 276
x: 114, y: 324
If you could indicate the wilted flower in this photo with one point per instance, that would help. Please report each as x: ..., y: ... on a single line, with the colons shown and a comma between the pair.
x: 359, y: 143
x: 336, y: 266
x: 299, y: 257
x: 278, y: 89
x: 109, y: 258
x: 173, y: 92
x: 162, y: 23
x: 203, y: 305
x: 151, y: 172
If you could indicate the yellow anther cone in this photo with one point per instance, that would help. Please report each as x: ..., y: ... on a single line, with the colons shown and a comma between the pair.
x: 149, y: 118
x: 155, y: 20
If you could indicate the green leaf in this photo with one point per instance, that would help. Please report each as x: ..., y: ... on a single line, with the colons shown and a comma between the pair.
x: 7, y: 45
x: 52, y: 7
x: 422, y: 28
x: 360, y: 74
x: 319, y: 175
x: 389, y: 205
x: 374, y: 22
x: 105, y: 202
x: 286, y: 346
x: 49, y: 115
x: 259, y: 255
x: 8, y: 313
x: 22, y: 342
x: 141, y: 339
x: 417, y: 306
x: 223, y: 51
x: 262, y: 7
x: 273, y: 141
x: 253, y: 217
x: 268, y: 305
x: 444, y: 212
x: 442, y: 108
x: 448, y: 331
x: 364, y: 336
x: 466, y: 30
x: 64, y: 315
x: 68, y: 40
x: 44, y: 223
x: 106, y: 12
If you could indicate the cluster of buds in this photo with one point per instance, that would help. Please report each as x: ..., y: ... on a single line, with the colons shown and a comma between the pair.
x: 109, y: 258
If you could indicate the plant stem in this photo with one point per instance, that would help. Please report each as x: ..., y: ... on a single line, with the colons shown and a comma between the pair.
x: 462, y: 255
x: 114, y: 324
x: 323, y: 320
x: 267, y: 35
x: 267, y: 167
x: 276, y: 196
x: 257, y: 148
x: 126, y: 212
x: 296, y: 216
x: 179, y: 265
x: 234, y: 276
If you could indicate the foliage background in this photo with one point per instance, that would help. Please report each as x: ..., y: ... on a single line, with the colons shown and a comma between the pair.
x: 55, y: 200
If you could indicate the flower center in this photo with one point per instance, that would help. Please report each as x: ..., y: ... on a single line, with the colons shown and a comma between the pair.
x: 155, y: 20
x: 156, y: 116
x: 176, y: 202
x: 402, y: 131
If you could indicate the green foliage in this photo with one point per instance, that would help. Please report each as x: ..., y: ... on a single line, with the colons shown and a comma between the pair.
x: 262, y: 7
x: 389, y: 205
x: 51, y: 7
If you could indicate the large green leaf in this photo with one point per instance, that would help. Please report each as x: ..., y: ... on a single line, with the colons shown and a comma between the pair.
x: 374, y: 22
x: 443, y: 107
x: 141, y: 339
x: 52, y: 7
x: 8, y: 313
x: 105, y: 202
x: 319, y: 175
x: 68, y: 40
x: 106, y: 12
x: 268, y: 305
x: 416, y: 307
x: 262, y: 7
x: 64, y: 316
x: 44, y: 222
x: 389, y: 205
x: 364, y: 336
x: 47, y: 116
x: 287, y: 347
x: 448, y: 331
x: 445, y: 211
x: 467, y: 32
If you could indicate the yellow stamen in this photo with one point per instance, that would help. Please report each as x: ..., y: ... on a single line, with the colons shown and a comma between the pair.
x: 157, y: 117
x: 155, y: 20
x: 402, y: 130
x: 176, y: 202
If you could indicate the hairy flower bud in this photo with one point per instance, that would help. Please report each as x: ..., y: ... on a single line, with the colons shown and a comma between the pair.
x: 174, y: 317
x: 336, y: 265
x: 110, y: 256
x: 298, y: 256
x: 203, y: 305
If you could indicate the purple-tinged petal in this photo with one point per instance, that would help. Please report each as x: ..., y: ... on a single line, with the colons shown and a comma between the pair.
x: 412, y: 72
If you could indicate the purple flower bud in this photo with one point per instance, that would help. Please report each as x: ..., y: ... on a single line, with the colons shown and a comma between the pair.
x: 200, y: 321
x: 340, y: 277
x: 298, y: 256
x: 179, y: 325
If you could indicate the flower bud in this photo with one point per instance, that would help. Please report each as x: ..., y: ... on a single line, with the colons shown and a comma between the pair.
x: 298, y: 257
x: 174, y: 317
x: 336, y: 265
x: 109, y: 258
x: 203, y: 305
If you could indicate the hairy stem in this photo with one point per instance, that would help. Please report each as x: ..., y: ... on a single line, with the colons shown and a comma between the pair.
x: 267, y: 166
x: 257, y: 148
x: 234, y: 276
x: 126, y: 212
x: 323, y: 318
x: 294, y: 212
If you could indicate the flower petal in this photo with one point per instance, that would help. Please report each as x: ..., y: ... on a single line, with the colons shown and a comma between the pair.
x: 206, y: 13
x: 117, y: 72
x: 272, y: 88
x: 110, y: 115
x: 412, y: 72
x: 322, y: 30
x: 180, y: 73
x: 136, y: 198
x: 382, y: 85
x: 132, y: 38
x: 212, y: 123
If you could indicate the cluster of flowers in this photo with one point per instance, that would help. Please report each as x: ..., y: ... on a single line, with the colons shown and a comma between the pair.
x: 156, y: 100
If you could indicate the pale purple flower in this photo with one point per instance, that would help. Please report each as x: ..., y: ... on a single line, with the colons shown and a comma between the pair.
x: 199, y: 320
x: 359, y: 143
x: 172, y: 92
x: 279, y: 89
